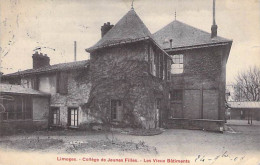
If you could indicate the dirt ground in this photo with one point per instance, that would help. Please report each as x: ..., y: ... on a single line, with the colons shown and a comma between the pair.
x: 238, y: 145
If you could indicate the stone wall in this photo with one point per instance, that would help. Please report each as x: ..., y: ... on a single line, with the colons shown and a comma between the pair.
x: 78, y: 94
x: 203, y: 83
x: 40, y: 111
x: 200, y: 124
x: 122, y: 73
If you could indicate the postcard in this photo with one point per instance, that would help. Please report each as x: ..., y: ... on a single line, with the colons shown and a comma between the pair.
x: 129, y: 82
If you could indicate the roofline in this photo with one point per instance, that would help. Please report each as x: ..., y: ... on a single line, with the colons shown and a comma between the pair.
x: 129, y: 41
x: 10, y: 75
x: 91, y: 49
x: 198, y: 46
x: 40, y: 94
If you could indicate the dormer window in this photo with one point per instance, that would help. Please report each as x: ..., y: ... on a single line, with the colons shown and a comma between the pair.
x: 177, y: 66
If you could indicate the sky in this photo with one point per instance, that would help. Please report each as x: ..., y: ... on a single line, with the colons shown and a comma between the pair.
x: 56, y: 24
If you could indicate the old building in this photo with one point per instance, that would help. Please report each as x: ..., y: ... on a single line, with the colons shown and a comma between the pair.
x: 244, y: 110
x: 66, y: 83
x: 174, y: 78
x: 198, y: 75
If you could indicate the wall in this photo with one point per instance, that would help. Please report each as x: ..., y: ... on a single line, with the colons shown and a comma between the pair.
x: 235, y: 114
x: 203, y: 83
x: 123, y: 73
x: 78, y: 94
x: 40, y: 111
x: 201, y: 124
x: 47, y: 83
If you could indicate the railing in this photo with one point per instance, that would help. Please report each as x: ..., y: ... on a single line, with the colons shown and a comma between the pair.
x: 15, y: 116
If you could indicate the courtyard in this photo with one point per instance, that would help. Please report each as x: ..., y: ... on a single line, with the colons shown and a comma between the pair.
x: 239, y: 145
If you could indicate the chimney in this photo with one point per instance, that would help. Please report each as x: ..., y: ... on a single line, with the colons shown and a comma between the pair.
x: 171, y: 43
x: 75, y: 50
x: 214, y: 27
x: 40, y: 60
x: 105, y: 28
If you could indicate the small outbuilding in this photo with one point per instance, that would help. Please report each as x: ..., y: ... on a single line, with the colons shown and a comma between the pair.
x: 22, y: 109
x: 249, y: 110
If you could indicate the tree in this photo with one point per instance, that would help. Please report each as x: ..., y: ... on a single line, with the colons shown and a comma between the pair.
x: 247, y: 85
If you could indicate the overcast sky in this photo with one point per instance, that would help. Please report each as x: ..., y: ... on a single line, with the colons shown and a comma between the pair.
x: 56, y: 24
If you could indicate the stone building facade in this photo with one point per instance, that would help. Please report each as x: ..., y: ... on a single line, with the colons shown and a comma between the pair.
x: 174, y: 78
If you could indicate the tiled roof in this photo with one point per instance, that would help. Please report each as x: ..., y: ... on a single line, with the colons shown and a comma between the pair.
x: 244, y: 104
x: 129, y: 28
x: 18, y: 89
x: 50, y: 68
x: 184, y: 35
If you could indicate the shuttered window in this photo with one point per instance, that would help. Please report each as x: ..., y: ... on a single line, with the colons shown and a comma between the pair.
x: 35, y: 83
x: 62, y: 83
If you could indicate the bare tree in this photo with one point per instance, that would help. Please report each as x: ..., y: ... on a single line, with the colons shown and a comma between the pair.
x: 247, y: 85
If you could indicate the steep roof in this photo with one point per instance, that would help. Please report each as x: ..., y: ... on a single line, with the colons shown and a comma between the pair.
x: 50, y: 68
x: 184, y: 35
x: 18, y: 89
x: 244, y: 104
x: 129, y: 28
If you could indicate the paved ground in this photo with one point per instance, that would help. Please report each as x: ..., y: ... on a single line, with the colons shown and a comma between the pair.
x: 238, y: 146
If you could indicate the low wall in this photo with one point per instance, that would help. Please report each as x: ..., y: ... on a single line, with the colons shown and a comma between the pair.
x: 17, y: 126
x: 200, y: 124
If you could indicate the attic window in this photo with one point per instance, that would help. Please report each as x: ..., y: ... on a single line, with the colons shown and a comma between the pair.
x: 177, y: 66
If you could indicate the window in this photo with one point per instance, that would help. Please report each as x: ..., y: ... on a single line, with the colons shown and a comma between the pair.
x: 55, y: 115
x: 15, y: 107
x: 176, y: 95
x: 73, y: 117
x: 177, y: 66
x: 116, y: 110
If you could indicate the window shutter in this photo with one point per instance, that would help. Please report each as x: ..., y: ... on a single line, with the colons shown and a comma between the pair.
x: 63, y: 83
x: 35, y: 83
x: 69, y: 117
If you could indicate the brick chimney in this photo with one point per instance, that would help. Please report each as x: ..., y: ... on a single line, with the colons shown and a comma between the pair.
x: 105, y: 28
x: 40, y: 60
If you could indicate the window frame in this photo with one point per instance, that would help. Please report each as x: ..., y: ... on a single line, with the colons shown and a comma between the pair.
x: 76, y: 121
x: 16, y: 108
x: 178, y: 59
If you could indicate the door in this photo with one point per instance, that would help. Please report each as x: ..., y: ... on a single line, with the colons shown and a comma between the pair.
x: 192, y: 104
